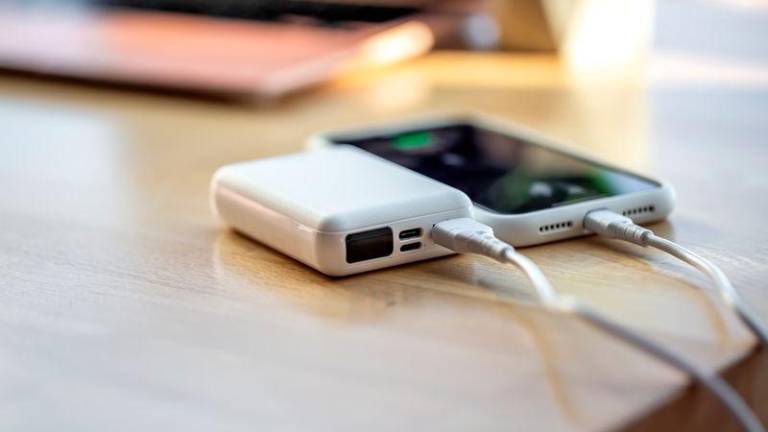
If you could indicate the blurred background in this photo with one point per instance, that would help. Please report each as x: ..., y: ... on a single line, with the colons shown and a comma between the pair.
x: 268, y: 48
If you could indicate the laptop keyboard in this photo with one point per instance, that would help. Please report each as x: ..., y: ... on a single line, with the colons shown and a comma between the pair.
x: 323, y: 13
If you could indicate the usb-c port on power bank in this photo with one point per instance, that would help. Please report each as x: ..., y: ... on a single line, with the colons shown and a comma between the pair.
x: 410, y: 246
x: 410, y: 233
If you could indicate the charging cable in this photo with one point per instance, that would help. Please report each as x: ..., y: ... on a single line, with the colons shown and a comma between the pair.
x: 466, y: 235
x: 608, y: 224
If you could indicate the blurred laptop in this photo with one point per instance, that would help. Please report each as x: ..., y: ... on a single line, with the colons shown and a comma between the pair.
x: 260, y: 48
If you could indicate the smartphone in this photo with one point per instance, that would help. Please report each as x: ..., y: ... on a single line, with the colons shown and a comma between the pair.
x: 528, y: 188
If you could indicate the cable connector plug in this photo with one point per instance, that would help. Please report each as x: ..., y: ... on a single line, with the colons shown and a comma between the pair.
x: 606, y: 223
x: 466, y: 235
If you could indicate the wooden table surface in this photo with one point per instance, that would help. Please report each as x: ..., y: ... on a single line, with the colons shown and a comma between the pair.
x: 127, y: 306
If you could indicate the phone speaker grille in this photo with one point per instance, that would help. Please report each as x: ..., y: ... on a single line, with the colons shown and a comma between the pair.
x: 555, y: 227
x: 639, y: 210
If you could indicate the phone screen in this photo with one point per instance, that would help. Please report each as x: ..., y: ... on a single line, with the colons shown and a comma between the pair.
x: 501, y: 173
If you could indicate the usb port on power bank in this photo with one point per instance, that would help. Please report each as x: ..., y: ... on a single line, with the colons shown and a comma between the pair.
x: 368, y: 245
x: 410, y: 233
x: 410, y: 247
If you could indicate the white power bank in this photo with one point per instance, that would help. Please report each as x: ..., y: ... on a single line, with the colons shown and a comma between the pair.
x: 340, y: 210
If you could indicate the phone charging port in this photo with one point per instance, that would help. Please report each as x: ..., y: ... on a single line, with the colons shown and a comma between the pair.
x: 410, y: 233
x: 410, y: 246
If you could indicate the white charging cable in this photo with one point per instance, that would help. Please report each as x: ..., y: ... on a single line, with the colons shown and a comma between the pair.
x: 608, y: 224
x: 466, y: 235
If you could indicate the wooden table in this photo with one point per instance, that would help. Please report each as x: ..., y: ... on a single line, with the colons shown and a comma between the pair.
x: 126, y: 306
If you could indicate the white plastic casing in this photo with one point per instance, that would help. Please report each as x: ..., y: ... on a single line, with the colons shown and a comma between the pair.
x: 536, y: 227
x: 306, y: 204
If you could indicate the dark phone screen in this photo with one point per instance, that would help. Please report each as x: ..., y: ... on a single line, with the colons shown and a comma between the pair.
x: 502, y: 173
